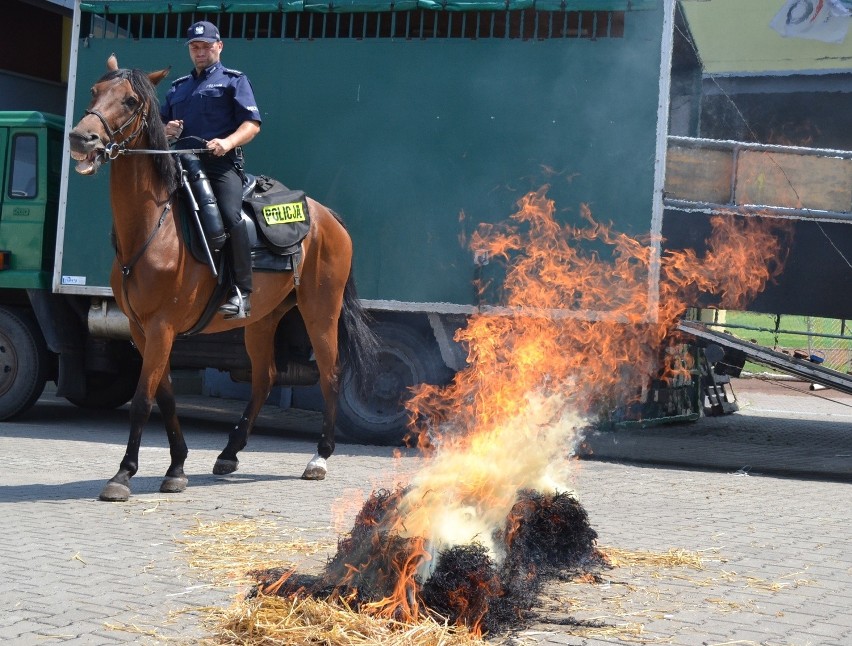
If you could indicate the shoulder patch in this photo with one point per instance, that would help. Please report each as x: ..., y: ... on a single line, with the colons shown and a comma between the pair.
x: 227, y: 70
x: 181, y: 79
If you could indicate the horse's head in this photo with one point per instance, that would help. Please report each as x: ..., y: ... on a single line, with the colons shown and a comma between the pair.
x: 123, y: 106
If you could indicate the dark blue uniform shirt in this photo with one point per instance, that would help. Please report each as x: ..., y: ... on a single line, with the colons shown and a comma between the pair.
x: 212, y: 104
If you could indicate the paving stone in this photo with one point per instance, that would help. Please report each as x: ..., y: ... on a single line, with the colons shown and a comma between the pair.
x: 762, y: 495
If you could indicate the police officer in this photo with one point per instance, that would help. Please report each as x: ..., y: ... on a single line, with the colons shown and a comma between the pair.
x: 214, y: 107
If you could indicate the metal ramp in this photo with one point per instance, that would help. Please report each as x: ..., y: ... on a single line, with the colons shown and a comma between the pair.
x: 806, y: 370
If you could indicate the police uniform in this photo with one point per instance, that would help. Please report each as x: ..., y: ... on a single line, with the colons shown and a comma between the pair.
x: 212, y: 105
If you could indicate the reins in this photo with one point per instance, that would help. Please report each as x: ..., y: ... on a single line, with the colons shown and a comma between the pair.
x: 151, y: 151
x: 113, y: 149
x: 125, y: 269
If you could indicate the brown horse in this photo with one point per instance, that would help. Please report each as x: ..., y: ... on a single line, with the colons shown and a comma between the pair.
x: 164, y: 290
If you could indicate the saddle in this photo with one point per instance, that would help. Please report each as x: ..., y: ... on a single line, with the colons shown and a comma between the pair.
x: 278, y: 219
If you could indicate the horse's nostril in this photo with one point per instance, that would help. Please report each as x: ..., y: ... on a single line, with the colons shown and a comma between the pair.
x: 82, y: 137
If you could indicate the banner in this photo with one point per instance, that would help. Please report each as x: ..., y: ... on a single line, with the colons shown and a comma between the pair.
x: 824, y: 20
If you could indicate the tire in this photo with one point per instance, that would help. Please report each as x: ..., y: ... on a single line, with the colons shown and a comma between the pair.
x: 24, y: 362
x: 378, y: 415
x: 108, y: 389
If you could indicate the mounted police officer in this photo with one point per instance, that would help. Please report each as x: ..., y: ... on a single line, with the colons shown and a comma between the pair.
x: 215, y: 106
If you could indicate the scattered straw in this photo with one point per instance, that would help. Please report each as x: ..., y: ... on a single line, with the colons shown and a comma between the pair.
x: 227, y: 551
x: 675, y: 557
x: 726, y: 605
x: 134, y: 629
x: 286, y: 621
x: 621, y: 632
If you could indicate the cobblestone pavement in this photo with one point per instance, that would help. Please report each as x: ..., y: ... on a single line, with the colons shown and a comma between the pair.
x: 730, y: 530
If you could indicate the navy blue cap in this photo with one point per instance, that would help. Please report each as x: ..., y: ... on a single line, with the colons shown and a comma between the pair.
x: 204, y: 31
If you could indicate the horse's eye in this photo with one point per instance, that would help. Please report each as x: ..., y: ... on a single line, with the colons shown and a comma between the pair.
x: 131, y: 102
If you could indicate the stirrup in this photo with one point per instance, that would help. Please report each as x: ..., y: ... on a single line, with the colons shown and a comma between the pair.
x: 237, y: 306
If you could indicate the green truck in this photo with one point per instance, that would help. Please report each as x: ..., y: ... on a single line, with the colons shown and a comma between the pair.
x: 416, y: 120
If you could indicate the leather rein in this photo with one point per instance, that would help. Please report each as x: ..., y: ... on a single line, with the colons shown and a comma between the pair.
x: 114, y: 148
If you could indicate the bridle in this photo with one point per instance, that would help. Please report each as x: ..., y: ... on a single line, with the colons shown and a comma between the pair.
x: 113, y: 149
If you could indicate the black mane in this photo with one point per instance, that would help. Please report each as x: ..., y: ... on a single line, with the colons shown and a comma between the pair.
x: 164, y: 164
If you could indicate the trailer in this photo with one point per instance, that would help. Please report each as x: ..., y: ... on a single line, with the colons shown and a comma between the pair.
x: 414, y: 120
x: 810, y: 187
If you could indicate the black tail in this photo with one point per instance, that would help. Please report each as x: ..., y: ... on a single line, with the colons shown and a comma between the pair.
x: 357, y: 344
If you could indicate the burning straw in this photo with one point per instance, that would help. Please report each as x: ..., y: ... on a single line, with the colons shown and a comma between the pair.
x: 471, y: 537
x: 380, y: 573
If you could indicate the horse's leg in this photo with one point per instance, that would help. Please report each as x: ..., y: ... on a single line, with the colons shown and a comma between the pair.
x: 321, y: 312
x: 260, y: 346
x: 155, y: 358
x: 175, y: 479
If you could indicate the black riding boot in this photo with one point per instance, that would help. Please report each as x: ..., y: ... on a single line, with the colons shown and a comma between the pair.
x: 237, y: 306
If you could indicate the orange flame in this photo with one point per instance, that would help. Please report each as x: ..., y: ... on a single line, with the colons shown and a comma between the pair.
x: 579, y: 332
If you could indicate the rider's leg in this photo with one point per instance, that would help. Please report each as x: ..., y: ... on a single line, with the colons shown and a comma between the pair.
x: 227, y: 185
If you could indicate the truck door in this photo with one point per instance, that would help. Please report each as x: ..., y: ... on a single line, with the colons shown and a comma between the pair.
x: 4, y: 154
x: 22, y: 220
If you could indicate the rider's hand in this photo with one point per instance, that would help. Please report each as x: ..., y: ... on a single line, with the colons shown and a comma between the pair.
x: 174, y: 129
x: 220, y: 147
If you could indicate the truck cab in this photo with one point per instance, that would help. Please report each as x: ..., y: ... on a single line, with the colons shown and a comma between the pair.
x: 31, y: 143
x: 44, y: 335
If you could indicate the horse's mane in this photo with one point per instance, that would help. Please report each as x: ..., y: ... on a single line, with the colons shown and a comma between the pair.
x: 164, y: 164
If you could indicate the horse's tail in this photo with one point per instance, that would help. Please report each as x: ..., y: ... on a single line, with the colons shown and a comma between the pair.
x: 358, y: 345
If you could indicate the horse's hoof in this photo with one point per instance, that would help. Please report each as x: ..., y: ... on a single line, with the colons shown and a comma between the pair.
x: 114, y: 492
x: 315, y: 470
x: 224, y: 467
x: 173, y: 484
x: 314, y: 474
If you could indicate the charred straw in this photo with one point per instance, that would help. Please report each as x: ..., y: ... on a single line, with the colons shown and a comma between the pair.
x: 544, y: 536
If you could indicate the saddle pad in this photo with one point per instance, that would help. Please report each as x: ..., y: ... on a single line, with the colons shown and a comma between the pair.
x: 281, y: 214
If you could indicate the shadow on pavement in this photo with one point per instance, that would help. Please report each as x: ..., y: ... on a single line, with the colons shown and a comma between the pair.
x: 744, y: 444
x: 54, y: 417
x: 141, y: 486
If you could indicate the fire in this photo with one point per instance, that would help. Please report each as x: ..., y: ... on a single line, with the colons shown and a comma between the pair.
x: 581, y: 330
x: 538, y: 375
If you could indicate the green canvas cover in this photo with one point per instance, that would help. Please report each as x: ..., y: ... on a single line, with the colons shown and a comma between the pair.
x: 417, y: 140
x: 342, y: 6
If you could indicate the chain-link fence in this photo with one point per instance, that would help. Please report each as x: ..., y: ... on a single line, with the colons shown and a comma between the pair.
x: 826, y: 341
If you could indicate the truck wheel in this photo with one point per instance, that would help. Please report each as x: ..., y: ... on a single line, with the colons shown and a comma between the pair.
x: 105, y: 390
x: 24, y: 362
x: 378, y: 415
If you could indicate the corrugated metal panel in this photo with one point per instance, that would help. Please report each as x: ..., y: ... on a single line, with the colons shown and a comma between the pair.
x: 337, y: 6
x: 417, y: 24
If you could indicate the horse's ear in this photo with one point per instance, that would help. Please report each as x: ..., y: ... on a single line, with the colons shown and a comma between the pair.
x: 156, y: 77
x: 112, y: 63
